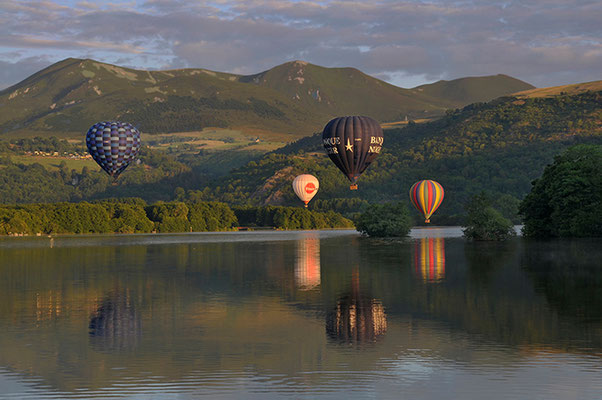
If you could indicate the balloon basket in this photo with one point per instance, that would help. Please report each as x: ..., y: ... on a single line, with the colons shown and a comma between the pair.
x: 428, y: 221
x: 353, y: 187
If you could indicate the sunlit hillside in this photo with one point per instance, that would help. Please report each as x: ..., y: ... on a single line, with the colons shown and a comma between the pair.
x: 290, y: 101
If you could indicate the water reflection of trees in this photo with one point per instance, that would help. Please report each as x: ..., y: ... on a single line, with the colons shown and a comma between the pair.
x: 568, y: 274
x: 207, y: 302
x: 115, y: 326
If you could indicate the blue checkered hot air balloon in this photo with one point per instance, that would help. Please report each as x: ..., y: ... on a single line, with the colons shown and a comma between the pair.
x: 113, y: 145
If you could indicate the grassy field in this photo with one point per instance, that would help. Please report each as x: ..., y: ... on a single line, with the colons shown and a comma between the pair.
x: 53, y: 163
x: 216, y: 139
x: 556, y: 90
x: 401, y: 124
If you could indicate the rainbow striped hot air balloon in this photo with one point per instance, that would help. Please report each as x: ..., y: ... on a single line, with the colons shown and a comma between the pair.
x: 426, y: 196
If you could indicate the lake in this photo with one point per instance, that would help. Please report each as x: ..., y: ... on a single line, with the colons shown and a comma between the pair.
x: 320, y: 314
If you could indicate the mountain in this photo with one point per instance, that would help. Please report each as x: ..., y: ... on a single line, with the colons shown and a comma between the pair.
x: 346, y: 91
x: 499, y: 147
x: 473, y: 89
x: 577, y: 88
x: 295, y: 98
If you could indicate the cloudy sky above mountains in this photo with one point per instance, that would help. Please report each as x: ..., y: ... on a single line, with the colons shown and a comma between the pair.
x: 407, y: 43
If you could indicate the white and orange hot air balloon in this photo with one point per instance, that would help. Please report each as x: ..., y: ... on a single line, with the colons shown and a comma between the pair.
x: 305, y: 187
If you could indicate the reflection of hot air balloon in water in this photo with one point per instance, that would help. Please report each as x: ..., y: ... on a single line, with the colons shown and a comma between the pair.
x: 429, y: 258
x: 116, y: 324
x: 352, y: 143
x: 357, y: 318
x: 427, y: 197
x: 113, y: 145
x: 307, y: 263
x: 305, y: 187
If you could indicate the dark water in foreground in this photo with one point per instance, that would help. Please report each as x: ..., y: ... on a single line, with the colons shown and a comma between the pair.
x: 300, y: 315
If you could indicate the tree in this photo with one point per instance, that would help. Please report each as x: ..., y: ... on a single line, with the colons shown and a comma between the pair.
x: 384, y: 220
x: 485, y: 222
x: 567, y: 200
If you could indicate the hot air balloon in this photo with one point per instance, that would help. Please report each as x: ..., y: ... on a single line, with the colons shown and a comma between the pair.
x: 113, y: 145
x: 305, y: 187
x: 352, y: 143
x: 426, y: 196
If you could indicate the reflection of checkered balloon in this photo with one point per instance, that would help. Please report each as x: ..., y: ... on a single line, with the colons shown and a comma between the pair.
x: 113, y: 145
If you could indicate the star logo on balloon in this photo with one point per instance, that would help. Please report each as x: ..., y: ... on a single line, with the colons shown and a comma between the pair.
x: 349, y: 146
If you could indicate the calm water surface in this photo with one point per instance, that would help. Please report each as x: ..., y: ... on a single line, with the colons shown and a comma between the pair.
x: 301, y: 315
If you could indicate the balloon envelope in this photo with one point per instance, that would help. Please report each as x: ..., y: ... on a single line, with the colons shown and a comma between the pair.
x: 305, y: 187
x: 113, y: 145
x: 352, y: 143
x: 426, y: 196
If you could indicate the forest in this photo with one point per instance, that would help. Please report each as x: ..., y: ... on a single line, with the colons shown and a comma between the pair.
x: 133, y: 215
x: 498, y: 147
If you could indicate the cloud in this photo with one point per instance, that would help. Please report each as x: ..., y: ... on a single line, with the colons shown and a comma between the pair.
x: 14, y: 72
x: 543, y: 42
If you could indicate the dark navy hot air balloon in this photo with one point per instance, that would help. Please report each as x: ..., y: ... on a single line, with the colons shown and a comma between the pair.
x: 113, y: 145
x: 352, y: 143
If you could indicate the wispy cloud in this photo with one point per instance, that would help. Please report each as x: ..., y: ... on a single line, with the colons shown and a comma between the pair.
x: 408, y: 42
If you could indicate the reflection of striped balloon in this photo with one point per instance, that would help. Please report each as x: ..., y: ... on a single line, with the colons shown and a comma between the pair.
x: 429, y: 258
x: 426, y: 196
x: 113, y: 145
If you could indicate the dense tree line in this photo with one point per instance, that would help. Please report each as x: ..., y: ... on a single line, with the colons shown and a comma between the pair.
x: 115, y: 216
x: 133, y: 215
x: 567, y: 200
x: 45, y: 144
x: 289, y: 218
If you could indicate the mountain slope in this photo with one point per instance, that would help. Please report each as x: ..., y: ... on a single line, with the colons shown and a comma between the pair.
x: 295, y: 98
x: 70, y: 95
x: 565, y: 89
x: 344, y: 91
x: 463, y: 91
x: 499, y: 147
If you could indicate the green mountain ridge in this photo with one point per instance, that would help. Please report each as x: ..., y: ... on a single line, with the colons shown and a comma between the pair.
x: 294, y: 98
x: 472, y: 89
x: 499, y: 147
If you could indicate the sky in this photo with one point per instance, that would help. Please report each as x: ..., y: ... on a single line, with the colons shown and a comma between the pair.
x: 406, y: 43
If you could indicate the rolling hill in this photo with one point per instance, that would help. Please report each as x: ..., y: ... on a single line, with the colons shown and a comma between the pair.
x: 460, y: 92
x: 498, y: 147
x: 293, y: 99
x: 594, y: 86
